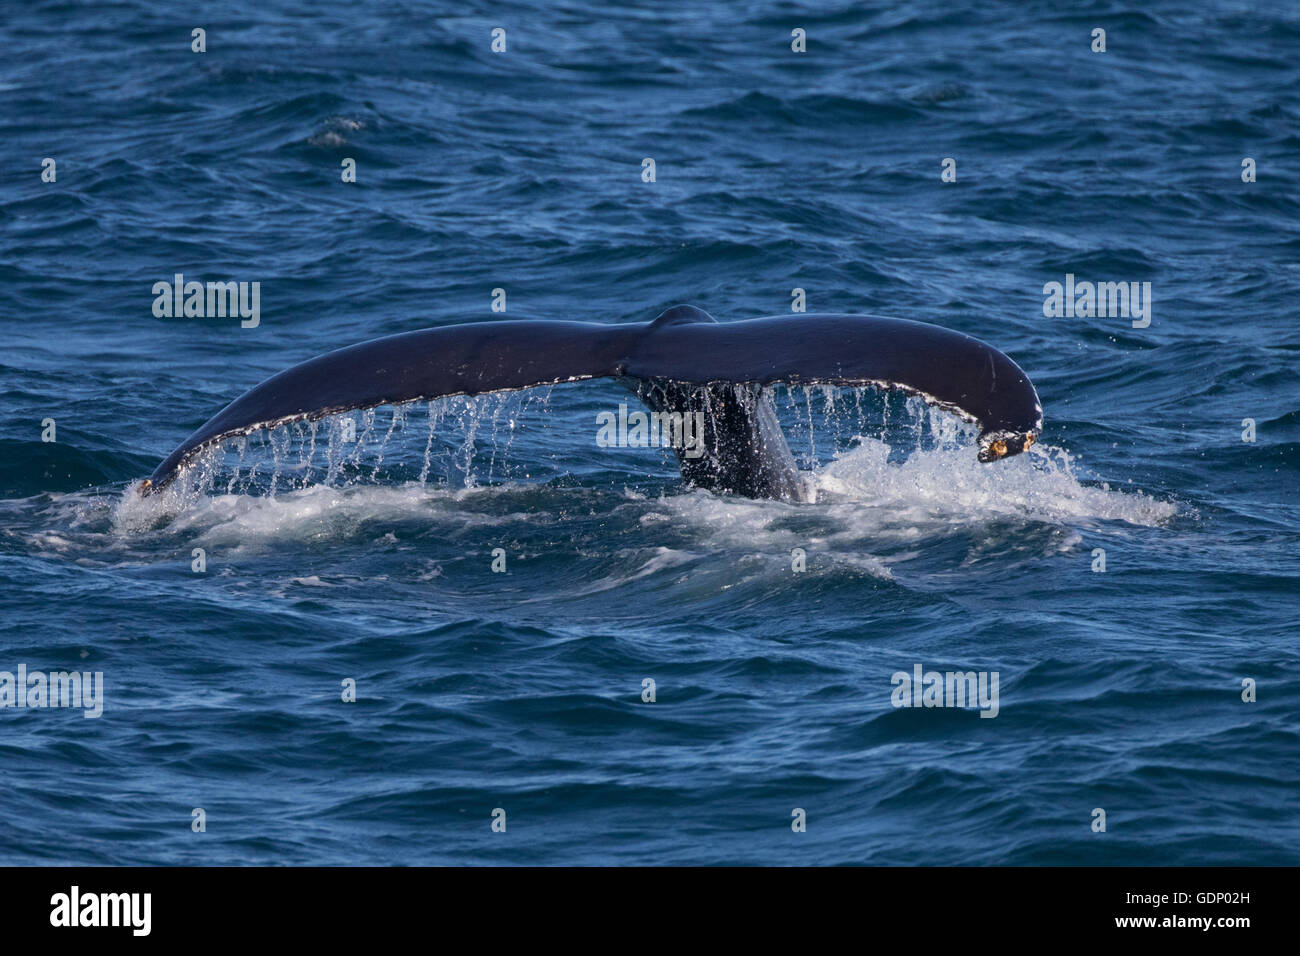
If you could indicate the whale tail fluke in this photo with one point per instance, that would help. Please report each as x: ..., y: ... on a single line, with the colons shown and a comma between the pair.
x: 682, y: 363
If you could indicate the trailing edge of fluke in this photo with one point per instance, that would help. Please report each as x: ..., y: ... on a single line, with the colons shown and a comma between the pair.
x: 683, y: 361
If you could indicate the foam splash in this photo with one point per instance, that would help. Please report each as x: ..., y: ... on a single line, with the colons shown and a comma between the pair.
x: 919, y: 478
x: 947, y: 484
x: 317, y: 512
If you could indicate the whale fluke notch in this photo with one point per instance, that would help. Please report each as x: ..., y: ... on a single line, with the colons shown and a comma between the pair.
x: 682, y: 315
x: 683, y: 361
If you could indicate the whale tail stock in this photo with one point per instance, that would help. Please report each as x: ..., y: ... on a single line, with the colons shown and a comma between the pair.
x: 684, y: 362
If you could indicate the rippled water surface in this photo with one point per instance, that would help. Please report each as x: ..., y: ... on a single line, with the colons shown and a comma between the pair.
x: 371, y: 561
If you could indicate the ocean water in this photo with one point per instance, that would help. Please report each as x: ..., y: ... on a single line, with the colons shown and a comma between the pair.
x: 522, y: 691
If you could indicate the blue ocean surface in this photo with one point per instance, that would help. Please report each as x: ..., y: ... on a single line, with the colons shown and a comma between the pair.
x: 650, y: 679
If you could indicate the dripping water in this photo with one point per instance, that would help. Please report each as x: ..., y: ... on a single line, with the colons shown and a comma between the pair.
x: 519, y: 436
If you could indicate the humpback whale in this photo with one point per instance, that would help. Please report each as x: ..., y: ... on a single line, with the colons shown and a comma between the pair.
x: 684, y: 361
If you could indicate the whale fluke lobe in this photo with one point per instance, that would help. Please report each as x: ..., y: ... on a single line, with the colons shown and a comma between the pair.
x: 685, y: 361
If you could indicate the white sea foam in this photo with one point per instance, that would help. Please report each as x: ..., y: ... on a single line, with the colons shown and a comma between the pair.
x: 948, y: 483
x: 861, y: 491
x: 316, y: 512
x: 870, y: 493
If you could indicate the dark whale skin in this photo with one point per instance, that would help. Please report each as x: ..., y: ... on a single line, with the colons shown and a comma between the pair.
x: 671, y: 363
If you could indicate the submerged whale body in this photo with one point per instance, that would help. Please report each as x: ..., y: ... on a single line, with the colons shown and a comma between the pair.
x: 684, y: 362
